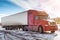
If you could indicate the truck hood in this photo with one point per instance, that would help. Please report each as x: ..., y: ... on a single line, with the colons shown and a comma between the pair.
x: 50, y: 20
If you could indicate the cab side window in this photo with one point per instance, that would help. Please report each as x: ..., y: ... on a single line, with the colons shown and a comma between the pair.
x: 36, y: 17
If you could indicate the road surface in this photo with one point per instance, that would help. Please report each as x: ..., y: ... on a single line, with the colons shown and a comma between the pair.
x: 24, y: 35
x: 58, y: 35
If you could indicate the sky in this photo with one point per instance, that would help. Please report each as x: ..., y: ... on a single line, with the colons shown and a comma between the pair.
x: 52, y: 7
x: 9, y: 7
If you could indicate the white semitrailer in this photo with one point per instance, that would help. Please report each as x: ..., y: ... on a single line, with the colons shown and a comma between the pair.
x: 16, y: 19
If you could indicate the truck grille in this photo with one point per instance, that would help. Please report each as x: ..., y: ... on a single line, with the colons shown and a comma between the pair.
x: 52, y: 23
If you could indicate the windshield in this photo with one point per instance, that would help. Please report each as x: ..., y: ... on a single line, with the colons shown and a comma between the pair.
x: 43, y: 17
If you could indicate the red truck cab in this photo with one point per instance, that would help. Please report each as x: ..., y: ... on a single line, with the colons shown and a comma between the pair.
x: 38, y: 22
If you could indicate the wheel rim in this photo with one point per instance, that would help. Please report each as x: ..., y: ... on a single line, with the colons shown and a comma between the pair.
x: 40, y: 29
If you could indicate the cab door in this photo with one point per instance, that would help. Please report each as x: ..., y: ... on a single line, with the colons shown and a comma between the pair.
x: 36, y: 23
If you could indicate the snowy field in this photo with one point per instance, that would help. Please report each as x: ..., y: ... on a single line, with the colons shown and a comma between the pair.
x: 23, y: 35
x: 58, y: 35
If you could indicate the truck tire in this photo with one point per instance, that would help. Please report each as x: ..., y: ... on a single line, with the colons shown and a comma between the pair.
x: 40, y: 29
x: 52, y: 31
x: 7, y: 28
x: 24, y: 28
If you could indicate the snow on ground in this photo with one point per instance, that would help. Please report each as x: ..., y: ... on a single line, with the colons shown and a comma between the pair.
x: 13, y: 36
x: 24, y: 35
x: 58, y: 35
x: 2, y: 28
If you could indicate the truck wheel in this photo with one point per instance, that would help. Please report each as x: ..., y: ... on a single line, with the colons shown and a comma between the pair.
x: 52, y: 31
x: 40, y: 29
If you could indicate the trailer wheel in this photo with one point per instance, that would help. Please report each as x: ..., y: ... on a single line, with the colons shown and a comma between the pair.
x: 52, y: 31
x: 40, y: 29
x: 24, y: 28
x: 7, y: 28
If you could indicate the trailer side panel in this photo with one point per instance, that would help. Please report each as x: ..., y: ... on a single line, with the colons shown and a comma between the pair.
x: 16, y: 19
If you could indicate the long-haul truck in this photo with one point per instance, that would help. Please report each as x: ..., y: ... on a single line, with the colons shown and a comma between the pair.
x: 30, y: 20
